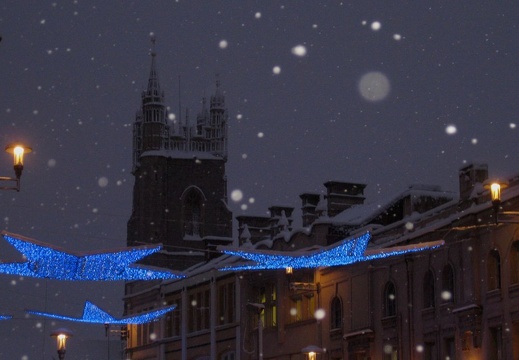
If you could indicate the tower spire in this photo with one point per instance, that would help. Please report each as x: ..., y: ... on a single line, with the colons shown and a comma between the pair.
x: 217, y: 81
x: 218, y: 100
x: 153, y: 80
x: 151, y: 131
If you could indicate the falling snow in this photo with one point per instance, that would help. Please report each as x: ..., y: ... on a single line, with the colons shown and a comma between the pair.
x: 299, y: 50
x: 451, y: 129
x: 374, y: 86
x: 64, y: 97
x: 236, y: 195
x: 376, y: 25
x: 223, y: 44
x: 102, y: 181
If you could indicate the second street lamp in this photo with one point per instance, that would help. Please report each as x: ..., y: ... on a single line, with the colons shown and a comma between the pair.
x: 500, y: 215
x: 61, y: 336
x: 310, y: 352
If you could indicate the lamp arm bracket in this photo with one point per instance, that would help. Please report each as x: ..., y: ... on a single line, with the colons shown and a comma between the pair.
x: 5, y: 178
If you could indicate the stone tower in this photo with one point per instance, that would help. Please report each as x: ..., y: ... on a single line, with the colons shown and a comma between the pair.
x: 180, y: 190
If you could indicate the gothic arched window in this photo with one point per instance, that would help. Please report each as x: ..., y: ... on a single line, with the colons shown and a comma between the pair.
x: 389, y: 299
x: 448, y: 290
x: 494, y: 270
x: 336, y: 313
x: 428, y: 290
x: 192, y: 213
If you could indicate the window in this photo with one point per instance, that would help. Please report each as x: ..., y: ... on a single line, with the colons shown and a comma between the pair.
x: 192, y: 313
x: 226, y: 305
x: 389, y: 304
x: 495, y: 351
x: 428, y: 290
x: 302, y: 307
x: 359, y: 355
x: 450, y: 349
x: 296, y: 310
x: 467, y: 340
x: 494, y: 270
x: 144, y: 332
x: 448, y: 290
x: 390, y: 352
x: 228, y: 356
x: 336, y: 313
x: 429, y: 351
x: 193, y: 219
x: 268, y: 297
x: 203, y: 357
x: 515, y: 339
x: 173, y: 319
x: 514, y: 263
x: 198, y: 310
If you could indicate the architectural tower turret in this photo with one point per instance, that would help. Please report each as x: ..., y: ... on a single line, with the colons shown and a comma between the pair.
x: 180, y: 191
x: 218, y: 123
x: 150, y: 130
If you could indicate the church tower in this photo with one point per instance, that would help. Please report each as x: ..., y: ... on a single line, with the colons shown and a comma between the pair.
x: 180, y: 190
x: 151, y: 127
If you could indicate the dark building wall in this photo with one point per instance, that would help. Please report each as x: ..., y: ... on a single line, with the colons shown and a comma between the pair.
x: 168, y: 192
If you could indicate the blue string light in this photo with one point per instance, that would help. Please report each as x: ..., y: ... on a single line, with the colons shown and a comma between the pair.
x: 94, y: 315
x: 346, y: 252
x: 44, y: 261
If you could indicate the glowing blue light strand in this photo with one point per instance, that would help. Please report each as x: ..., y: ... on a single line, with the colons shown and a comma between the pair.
x: 94, y: 315
x: 44, y: 261
x: 347, y: 252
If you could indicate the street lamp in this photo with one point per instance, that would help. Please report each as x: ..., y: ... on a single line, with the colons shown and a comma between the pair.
x: 311, y: 352
x: 18, y: 150
x: 500, y: 216
x: 61, y: 335
x: 495, y: 193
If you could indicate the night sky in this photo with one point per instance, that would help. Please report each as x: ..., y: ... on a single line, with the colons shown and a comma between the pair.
x: 447, y: 94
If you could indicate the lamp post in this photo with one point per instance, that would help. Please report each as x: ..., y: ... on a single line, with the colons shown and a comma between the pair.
x: 18, y: 150
x: 500, y: 216
x: 495, y: 195
x: 311, y: 352
x: 61, y: 335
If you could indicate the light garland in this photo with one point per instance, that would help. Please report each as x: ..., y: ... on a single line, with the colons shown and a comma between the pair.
x: 44, y: 261
x: 346, y: 252
x: 95, y: 315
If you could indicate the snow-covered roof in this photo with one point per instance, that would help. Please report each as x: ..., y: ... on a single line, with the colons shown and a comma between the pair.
x: 437, y: 218
x: 362, y: 214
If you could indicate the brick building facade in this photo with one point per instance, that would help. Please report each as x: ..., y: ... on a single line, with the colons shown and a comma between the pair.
x: 460, y: 301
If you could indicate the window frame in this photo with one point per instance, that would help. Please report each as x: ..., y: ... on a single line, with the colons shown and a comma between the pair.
x: 336, y: 321
x: 389, y: 305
